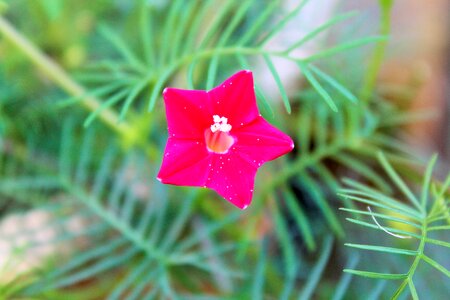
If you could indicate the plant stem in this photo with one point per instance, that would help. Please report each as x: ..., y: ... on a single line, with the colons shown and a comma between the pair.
x: 418, y: 258
x: 63, y: 80
x: 59, y: 76
x: 378, y: 54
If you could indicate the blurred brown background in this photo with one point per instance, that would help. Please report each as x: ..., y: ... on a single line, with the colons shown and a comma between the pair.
x: 418, y: 56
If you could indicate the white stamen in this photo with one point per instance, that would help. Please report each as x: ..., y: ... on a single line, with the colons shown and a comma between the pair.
x: 220, y: 124
x: 215, y: 127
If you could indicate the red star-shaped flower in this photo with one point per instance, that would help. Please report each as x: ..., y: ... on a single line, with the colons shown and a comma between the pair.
x: 218, y: 139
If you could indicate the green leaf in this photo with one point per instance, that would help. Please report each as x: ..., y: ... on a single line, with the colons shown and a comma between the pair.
x: 316, y: 273
x: 258, y: 282
x: 436, y: 265
x: 345, y: 279
x: 286, y: 244
x: 301, y: 219
x: 279, y: 26
x: 383, y: 249
x: 277, y: 79
x: 398, y: 181
x: 316, y: 85
x: 426, y: 181
x: 122, y: 48
x: 342, y: 47
x: 335, y: 84
x: 312, y: 34
x: 315, y: 192
x: 376, y: 275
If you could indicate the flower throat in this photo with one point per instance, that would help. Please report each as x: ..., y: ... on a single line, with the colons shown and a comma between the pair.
x: 217, y: 137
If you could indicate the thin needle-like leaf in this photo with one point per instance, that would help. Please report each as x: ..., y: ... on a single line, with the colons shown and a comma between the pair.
x: 321, y: 28
x: 426, y: 181
x: 259, y: 22
x: 436, y: 265
x: 105, y: 105
x: 277, y: 79
x: 316, y: 85
x: 282, y: 23
x: 316, y: 273
x: 334, y: 83
x: 342, y: 47
x: 398, y: 181
x: 123, y: 48
x: 383, y: 249
x: 377, y: 275
x: 301, y: 219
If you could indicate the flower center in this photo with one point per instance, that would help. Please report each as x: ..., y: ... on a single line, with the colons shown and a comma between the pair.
x: 217, y: 137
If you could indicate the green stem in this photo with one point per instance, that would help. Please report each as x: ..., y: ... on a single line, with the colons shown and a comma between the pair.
x: 59, y: 76
x: 420, y: 254
x: 63, y: 80
x: 378, y: 54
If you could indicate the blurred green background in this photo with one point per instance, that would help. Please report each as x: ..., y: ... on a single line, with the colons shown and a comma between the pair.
x: 361, y: 86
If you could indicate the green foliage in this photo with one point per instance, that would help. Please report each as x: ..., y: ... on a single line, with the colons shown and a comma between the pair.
x: 132, y: 234
x: 427, y: 212
x: 119, y: 234
x: 167, y: 51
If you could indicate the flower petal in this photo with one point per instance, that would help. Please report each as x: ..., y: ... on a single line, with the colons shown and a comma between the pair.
x: 185, y: 162
x: 235, y: 99
x: 187, y: 112
x: 232, y: 177
x: 259, y: 142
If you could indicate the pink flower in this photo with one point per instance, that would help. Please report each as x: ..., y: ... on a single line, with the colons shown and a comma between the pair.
x: 218, y: 139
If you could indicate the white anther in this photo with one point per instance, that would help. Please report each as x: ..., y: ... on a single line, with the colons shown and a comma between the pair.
x: 225, y: 127
x: 215, y: 127
x: 220, y: 124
